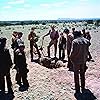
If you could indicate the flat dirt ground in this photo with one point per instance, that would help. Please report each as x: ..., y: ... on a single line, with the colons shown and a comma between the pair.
x: 56, y: 83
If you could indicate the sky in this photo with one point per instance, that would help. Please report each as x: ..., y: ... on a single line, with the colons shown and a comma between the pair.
x: 14, y: 10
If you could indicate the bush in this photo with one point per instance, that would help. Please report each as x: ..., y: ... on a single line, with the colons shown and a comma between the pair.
x: 97, y: 23
x: 89, y: 21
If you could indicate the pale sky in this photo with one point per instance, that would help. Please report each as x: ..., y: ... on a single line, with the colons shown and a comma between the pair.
x: 48, y: 9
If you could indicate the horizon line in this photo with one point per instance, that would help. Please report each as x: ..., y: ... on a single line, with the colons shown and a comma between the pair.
x: 54, y: 19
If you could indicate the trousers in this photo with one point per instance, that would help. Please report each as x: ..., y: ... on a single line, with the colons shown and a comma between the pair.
x: 79, y: 70
x: 2, y: 82
x: 31, y: 49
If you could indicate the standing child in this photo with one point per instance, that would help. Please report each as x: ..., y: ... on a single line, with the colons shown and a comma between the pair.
x: 62, y: 47
x: 21, y: 66
x: 14, y: 43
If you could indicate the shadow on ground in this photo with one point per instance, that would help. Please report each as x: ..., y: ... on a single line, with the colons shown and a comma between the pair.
x: 86, y: 95
x: 23, y: 88
x: 6, y: 96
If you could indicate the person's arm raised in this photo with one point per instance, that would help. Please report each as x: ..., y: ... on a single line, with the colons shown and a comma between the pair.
x: 46, y: 34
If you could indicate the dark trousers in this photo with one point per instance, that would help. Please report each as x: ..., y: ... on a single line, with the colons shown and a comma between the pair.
x: 14, y: 59
x: 89, y: 54
x: 69, y: 65
x: 61, y: 53
x: 52, y: 42
x: 2, y: 82
x: 17, y: 78
x: 22, y: 76
x: 79, y: 69
x: 31, y: 49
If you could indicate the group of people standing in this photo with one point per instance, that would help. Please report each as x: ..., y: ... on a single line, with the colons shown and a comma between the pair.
x: 19, y: 62
x: 78, y: 54
x: 76, y: 42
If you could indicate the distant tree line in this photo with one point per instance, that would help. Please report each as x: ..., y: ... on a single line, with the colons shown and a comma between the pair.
x: 95, y: 22
x: 44, y: 22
